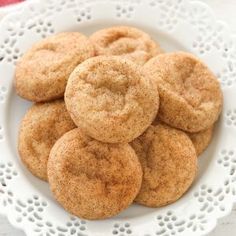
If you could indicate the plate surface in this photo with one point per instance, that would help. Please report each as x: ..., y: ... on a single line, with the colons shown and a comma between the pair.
x: 176, y: 25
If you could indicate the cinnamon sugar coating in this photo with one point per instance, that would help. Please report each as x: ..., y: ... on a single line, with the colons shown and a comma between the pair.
x: 201, y: 140
x: 43, y: 71
x: 169, y: 163
x: 91, y: 179
x: 129, y: 42
x: 40, y: 128
x: 111, y: 99
x: 190, y: 95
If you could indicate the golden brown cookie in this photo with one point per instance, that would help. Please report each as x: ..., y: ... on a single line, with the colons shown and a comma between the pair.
x: 91, y: 179
x: 125, y: 41
x: 169, y: 163
x: 190, y: 95
x: 201, y: 140
x: 42, y: 72
x: 111, y: 99
x: 41, y: 126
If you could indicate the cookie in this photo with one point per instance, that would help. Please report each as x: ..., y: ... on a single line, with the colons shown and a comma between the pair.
x: 91, y: 179
x: 43, y: 71
x: 128, y: 42
x: 190, y: 95
x: 169, y: 163
x: 201, y: 140
x: 40, y: 128
x: 111, y: 99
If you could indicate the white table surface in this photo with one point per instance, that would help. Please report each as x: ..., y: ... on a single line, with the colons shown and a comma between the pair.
x: 225, y: 10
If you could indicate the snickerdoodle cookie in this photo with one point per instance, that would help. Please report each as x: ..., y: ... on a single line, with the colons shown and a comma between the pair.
x: 91, y: 179
x: 111, y: 99
x: 41, y: 126
x: 169, y: 163
x: 190, y: 95
x: 202, y: 139
x: 42, y: 73
x: 128, y: 42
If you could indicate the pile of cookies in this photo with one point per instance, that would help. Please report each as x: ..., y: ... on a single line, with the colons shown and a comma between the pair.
x: 115, y: 120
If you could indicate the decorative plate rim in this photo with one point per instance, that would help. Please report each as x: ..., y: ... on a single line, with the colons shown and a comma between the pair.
x: 208, y: 38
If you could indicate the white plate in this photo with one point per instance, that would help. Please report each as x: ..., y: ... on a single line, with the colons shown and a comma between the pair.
x: 177, y: 25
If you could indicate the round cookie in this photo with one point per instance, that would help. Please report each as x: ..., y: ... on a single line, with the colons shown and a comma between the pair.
x: 190, y: 95
x: 128, y: 42
x: 169, y: 163
x: 201, y: 140
x: 40, y: 128
x: 91, y: 179
x: 42, y: 72
x: 118, y: 101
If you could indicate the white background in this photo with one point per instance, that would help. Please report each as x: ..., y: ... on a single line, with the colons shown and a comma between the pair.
x: 224, y: 10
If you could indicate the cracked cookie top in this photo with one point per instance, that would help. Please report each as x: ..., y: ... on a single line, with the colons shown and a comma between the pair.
x: 91, y: 179
x: 43, y: 71
x: 128, y: 42
x: 111, y: 99
x: 40, y: 128
x: 169, y: 164
x: 190, y: 94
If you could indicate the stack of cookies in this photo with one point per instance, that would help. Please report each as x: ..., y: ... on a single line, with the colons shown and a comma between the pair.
x: 115, y: 120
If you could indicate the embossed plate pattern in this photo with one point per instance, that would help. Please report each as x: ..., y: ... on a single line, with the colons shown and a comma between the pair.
x: 177, y: 25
